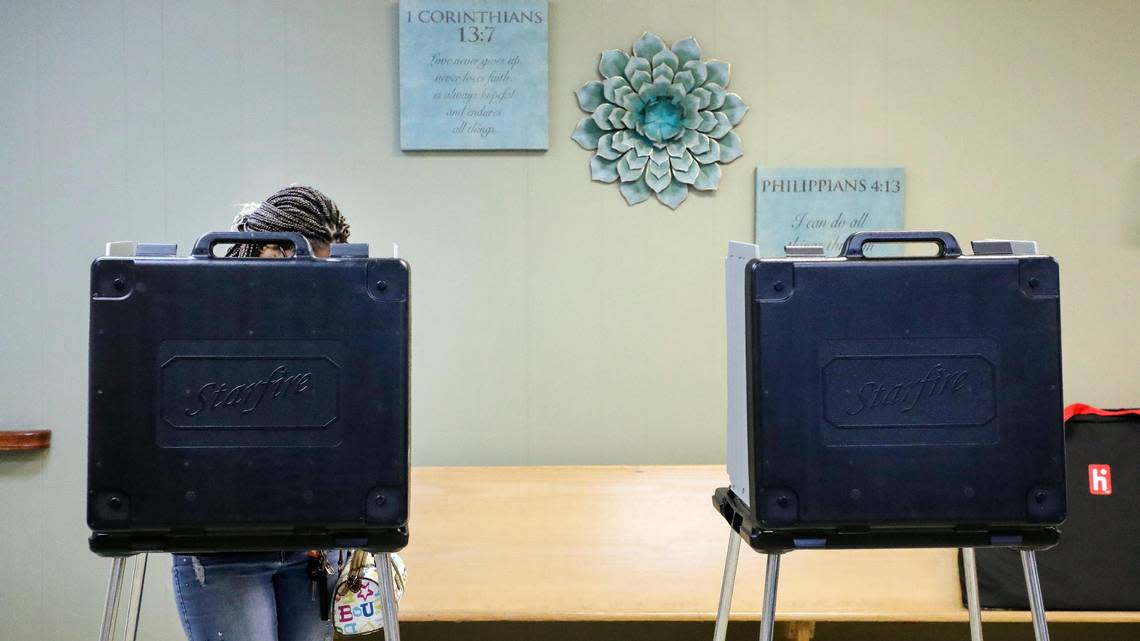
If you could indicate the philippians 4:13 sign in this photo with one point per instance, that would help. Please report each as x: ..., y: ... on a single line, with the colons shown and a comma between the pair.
x: 473, y: 74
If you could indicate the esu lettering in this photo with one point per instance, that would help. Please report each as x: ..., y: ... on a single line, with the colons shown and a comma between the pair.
x: 347, y: 613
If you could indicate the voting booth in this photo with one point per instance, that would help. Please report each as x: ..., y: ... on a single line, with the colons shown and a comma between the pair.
x: 244, y: 404
x: 904, y: 401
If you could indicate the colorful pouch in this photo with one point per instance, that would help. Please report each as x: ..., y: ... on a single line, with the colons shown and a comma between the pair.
x: 356, y: 605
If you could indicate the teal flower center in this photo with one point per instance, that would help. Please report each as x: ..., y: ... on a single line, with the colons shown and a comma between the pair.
x: 661, y: 119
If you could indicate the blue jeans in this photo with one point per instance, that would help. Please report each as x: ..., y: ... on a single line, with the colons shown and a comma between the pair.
x: 254, y: 596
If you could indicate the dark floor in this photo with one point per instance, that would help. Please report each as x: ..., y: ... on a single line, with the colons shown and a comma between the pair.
x: 742, y: 631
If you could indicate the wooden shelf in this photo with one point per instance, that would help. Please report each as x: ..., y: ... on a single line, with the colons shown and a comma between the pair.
x: 24, y: 440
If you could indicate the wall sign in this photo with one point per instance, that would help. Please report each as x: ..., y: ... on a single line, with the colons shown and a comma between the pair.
x: 803, y: 206
x: 473, y: 74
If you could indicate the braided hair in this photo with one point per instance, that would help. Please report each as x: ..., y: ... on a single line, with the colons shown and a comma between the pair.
x: 297, y: 209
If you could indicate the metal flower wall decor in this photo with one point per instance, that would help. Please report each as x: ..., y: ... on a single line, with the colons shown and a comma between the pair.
x: 661, y: 120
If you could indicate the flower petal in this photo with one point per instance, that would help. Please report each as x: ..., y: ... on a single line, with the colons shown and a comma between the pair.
x: 685, y: 79
x: 628, y: 171
x: 699, y: 70
x: 690, y: 175
x: 718, y: 72
x: 587, y: 133
x: 708, y: 122
x: 673, y: 195
x: 731, y: 147
x: 667, y: 58
x: 723, y: 126
x: 636, y: 64
x: 636, y: 162
x: 734, y: 108
x: 716, y: 95
x: 641, y: 145
x: 660, y: 87
x: 648, y: 45
x: 709, y: 178
x: 659, y: 155
x: 620, y: 95
x: 690, y: 116
x: 703, y: 96
x: 602, y: 170
x: 650, y: 131
x: 687, y: 49
x: 712, y: 155
x: 620, y: 141
x: 602, y: 115
x: 635, y: 192
x: 683, y: 161
x: 611, y: 85
x: 655, y: 182
x: 691, y: 105
x: 659, y: 168
x: 663, y: 72
x: 675, y: 147
x: 617, y: 115
x: 612, y: 63
x: 640, y: 79
x: 590, y: 95
x: 629, y: 120
x: 697, y: 142
x: 606, y: 147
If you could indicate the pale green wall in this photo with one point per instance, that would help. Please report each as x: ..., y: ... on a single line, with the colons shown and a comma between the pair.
x: 552, y: 324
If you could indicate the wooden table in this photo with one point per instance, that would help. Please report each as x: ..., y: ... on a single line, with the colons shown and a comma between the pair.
x: 642, y: 543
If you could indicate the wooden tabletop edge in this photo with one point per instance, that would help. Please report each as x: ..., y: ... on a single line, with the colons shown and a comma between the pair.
x: 992, y: 616
x: 617, y: 467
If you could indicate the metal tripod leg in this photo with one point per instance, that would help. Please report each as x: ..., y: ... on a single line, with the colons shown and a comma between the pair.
x: 726, y: 586
x: 768, y: 616
x: 388, y: 597
x: 114, y: 591
x: 1036, y: 602
x: 970, y: 566
x: 134, y: 602
x: 114, y: 595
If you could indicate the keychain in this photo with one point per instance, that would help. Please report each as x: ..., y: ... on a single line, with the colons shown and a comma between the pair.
x: 319, y: 570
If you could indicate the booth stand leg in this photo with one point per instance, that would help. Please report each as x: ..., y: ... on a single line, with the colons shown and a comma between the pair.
x: 114, y: 596
x: 388, y: 598
x: 134, y: 602
x: 114, y: 592
x: 771, y: 580
x: 970, y: 565
x: 1036, y: 602
x: 726, y: 586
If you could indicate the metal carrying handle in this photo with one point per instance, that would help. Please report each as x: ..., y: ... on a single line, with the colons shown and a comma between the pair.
x: 947, y: 245
x: 204, y: 248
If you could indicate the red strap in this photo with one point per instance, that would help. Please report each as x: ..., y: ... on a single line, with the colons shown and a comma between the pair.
x: 1081, y: 408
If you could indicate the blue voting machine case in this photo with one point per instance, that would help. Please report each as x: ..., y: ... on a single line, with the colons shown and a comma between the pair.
x: 248, y: 404
x: 895, y: 402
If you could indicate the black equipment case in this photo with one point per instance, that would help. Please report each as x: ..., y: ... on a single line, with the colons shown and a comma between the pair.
x: 901, y: 402
x: 1096, y: 565
x: 248, y: 404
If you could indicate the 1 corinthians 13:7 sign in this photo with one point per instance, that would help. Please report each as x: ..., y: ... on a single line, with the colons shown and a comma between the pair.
x: 473, y: 74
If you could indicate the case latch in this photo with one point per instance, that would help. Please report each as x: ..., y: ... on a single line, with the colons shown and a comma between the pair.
x: 803, y: 251
x: 996, y: 247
